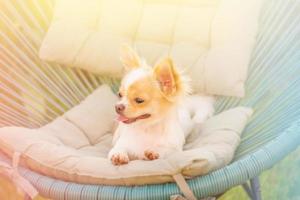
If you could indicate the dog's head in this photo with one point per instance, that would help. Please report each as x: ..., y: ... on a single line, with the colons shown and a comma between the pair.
x: 147, y: 93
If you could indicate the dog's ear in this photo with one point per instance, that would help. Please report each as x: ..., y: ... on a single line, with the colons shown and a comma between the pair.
x: 166, y: 75
x: 129, y: 58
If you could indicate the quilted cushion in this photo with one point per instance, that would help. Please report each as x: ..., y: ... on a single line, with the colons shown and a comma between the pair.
x: 75, y: 150
x: 212, y: 40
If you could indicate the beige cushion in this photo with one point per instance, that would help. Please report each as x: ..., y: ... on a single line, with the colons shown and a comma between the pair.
x: 71, y: 150
x: 95, y: 115
x: 210, y: 39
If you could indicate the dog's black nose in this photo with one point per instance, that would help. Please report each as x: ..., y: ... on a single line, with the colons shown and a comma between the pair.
x: 119, y: 108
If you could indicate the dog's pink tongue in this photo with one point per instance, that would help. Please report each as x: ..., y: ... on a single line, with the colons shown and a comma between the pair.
x: 122, y: 118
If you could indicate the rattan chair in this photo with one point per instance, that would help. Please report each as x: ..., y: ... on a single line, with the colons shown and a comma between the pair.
x: 33, y: 92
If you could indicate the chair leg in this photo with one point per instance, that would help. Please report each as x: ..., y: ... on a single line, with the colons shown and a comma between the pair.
x: 248, y: 190
x: 254, y: 190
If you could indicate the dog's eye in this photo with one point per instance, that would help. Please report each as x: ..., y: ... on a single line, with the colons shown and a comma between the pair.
x: 138, y: 100
x: 120, y: 94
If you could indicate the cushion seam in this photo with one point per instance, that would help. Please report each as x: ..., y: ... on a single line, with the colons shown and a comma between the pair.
x: 84, y: 133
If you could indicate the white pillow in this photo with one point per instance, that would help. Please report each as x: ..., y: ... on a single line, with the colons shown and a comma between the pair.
x: 212, y: 40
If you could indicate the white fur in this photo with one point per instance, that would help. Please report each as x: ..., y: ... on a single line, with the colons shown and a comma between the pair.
x: 195, y: 109
x: 135, y: 139
x: 200, y: 107
x: 134, y: 76
x: 166, y: 136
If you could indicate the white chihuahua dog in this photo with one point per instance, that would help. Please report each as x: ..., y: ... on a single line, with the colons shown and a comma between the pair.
x: 155, y: 112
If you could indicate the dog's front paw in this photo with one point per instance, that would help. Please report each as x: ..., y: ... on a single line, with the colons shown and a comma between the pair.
x: 119, y: 159
x: 151, y: 155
